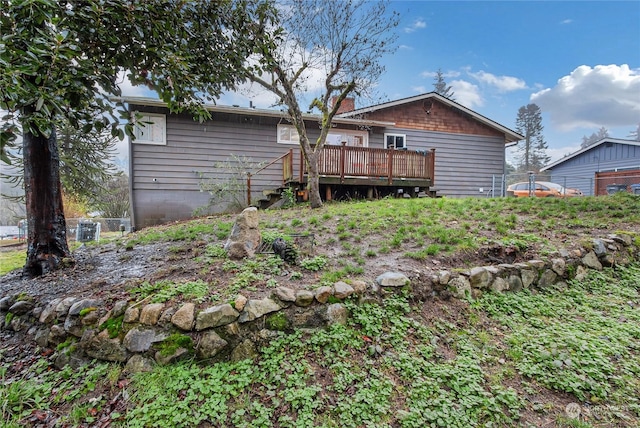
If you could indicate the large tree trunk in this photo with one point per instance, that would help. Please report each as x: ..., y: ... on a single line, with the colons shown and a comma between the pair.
x: 47, y: 229
x: 315, y: 200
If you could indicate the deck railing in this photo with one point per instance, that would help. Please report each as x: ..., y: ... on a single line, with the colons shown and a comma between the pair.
x: 363, y: 162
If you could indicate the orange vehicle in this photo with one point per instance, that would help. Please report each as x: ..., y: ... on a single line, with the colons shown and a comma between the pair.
x: 543, y: 189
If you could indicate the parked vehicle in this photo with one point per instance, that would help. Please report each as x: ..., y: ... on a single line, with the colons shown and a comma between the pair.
x: 543, y: 189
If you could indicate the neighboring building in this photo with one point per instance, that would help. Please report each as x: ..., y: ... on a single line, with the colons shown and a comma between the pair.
x: 383, y: 149
x: 608, y: 162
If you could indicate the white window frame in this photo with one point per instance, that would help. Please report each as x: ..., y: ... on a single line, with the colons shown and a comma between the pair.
x: 335, y: 137
x: 150, y: 133
x: 396, y: 136
x: 289, y: 133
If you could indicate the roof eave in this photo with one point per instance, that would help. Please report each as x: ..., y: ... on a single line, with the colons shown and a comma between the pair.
x: 153, y: 102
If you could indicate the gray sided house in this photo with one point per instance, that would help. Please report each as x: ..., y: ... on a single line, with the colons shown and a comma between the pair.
x: 380, y: 150
x: 608, y: 162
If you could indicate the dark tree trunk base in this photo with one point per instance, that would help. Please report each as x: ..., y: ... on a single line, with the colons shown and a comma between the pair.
x: 47, y: 229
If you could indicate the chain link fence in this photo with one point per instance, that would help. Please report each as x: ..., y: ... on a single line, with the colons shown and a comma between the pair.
x: 598, y: 184
x: 84, y: 229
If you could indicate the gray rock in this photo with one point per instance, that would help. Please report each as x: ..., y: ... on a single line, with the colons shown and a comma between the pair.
x: 608, y: 260
x: 622, y: 238
x: 528, y: 277
x: 499, y: 285
x: 480, y: 277
x: 254, y: 309
x: 285, y: 294
x: 150, y: 314
x: 558, y: 265
x: 167, y: 359
x: 71, y: 359
x: 245, y: 236
x: 21, y: 307
x: 599, y: 247
x: 581, y: 273
x: 515, y: 283
x: 443, y: 277
x: 139, y: 364
x: 166, y: 316
x: 6, y: 302
x: 132, y: 314
x: 42, y: 337
x: 393, y: 279
x: 90, y: 318
x: 342, y: 290
x: 337, y: 314
x: 78, y: 306
x: 48, y: 314
x: 246, y: 350
x: 359, y: 287
x: 304, y: 298
x: 537, y: 264
x: 119, y: 308
x: 548, y: 278
x: 57, y: 335
x: 591, y: 261
x: 210, y: 344
x: 62, y: 309
x: 73, y: 325
x: 460, y: 287
x: 314, y: 317
x: 102, y: 347
x: 323, y: 293
x: 216, y: 316
x: 140, y: 339
x: 184, y: 317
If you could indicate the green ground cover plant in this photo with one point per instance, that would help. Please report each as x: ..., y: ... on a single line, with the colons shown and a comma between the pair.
x: 501, y: 360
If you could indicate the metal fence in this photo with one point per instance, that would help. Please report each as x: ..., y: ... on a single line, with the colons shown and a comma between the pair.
x: 598, y: 184
x: 86, y: 229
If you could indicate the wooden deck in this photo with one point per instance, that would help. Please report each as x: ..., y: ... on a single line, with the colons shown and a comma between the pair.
x: 365, y: 166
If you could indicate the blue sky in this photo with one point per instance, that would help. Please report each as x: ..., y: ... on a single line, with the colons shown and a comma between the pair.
x: 578, y: 60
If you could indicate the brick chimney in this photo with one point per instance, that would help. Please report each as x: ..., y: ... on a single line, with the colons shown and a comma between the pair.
x: 348, y: 104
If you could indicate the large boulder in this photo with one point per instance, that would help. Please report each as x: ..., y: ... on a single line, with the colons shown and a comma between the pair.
x: 245, y: 238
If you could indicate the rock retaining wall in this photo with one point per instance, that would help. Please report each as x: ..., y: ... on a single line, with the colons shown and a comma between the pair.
x: 143, y: 334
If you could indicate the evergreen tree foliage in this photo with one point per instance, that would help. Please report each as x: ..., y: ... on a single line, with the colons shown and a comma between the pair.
x: 595, y: 137
x: 440, y: 86
x: 533, y: 149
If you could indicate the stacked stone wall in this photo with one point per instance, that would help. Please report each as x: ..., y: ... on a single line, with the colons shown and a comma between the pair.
x: 142, y: 334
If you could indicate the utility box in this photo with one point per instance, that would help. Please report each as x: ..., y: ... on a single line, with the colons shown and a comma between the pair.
x: 635, y: 189
x: 87, y: 231
x: 615, y: 188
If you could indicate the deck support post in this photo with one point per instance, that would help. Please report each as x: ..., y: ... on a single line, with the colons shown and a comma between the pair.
x: 327, y: 194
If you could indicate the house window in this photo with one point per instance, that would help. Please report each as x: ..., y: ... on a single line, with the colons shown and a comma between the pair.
x: 395, y: 141
x: 150, y: 129
x: 287, y: 134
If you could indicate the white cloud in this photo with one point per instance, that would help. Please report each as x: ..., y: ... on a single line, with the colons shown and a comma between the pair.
x: 560, y: 152
x: 606, y: 95
x: 417, y: 25
x: 133, y: 91
x: 446, y: 75
x: 419, y: 89
x: 467, y: 94
x: 502, y: 83
x: 405, y: 48
x: 566, y: 21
